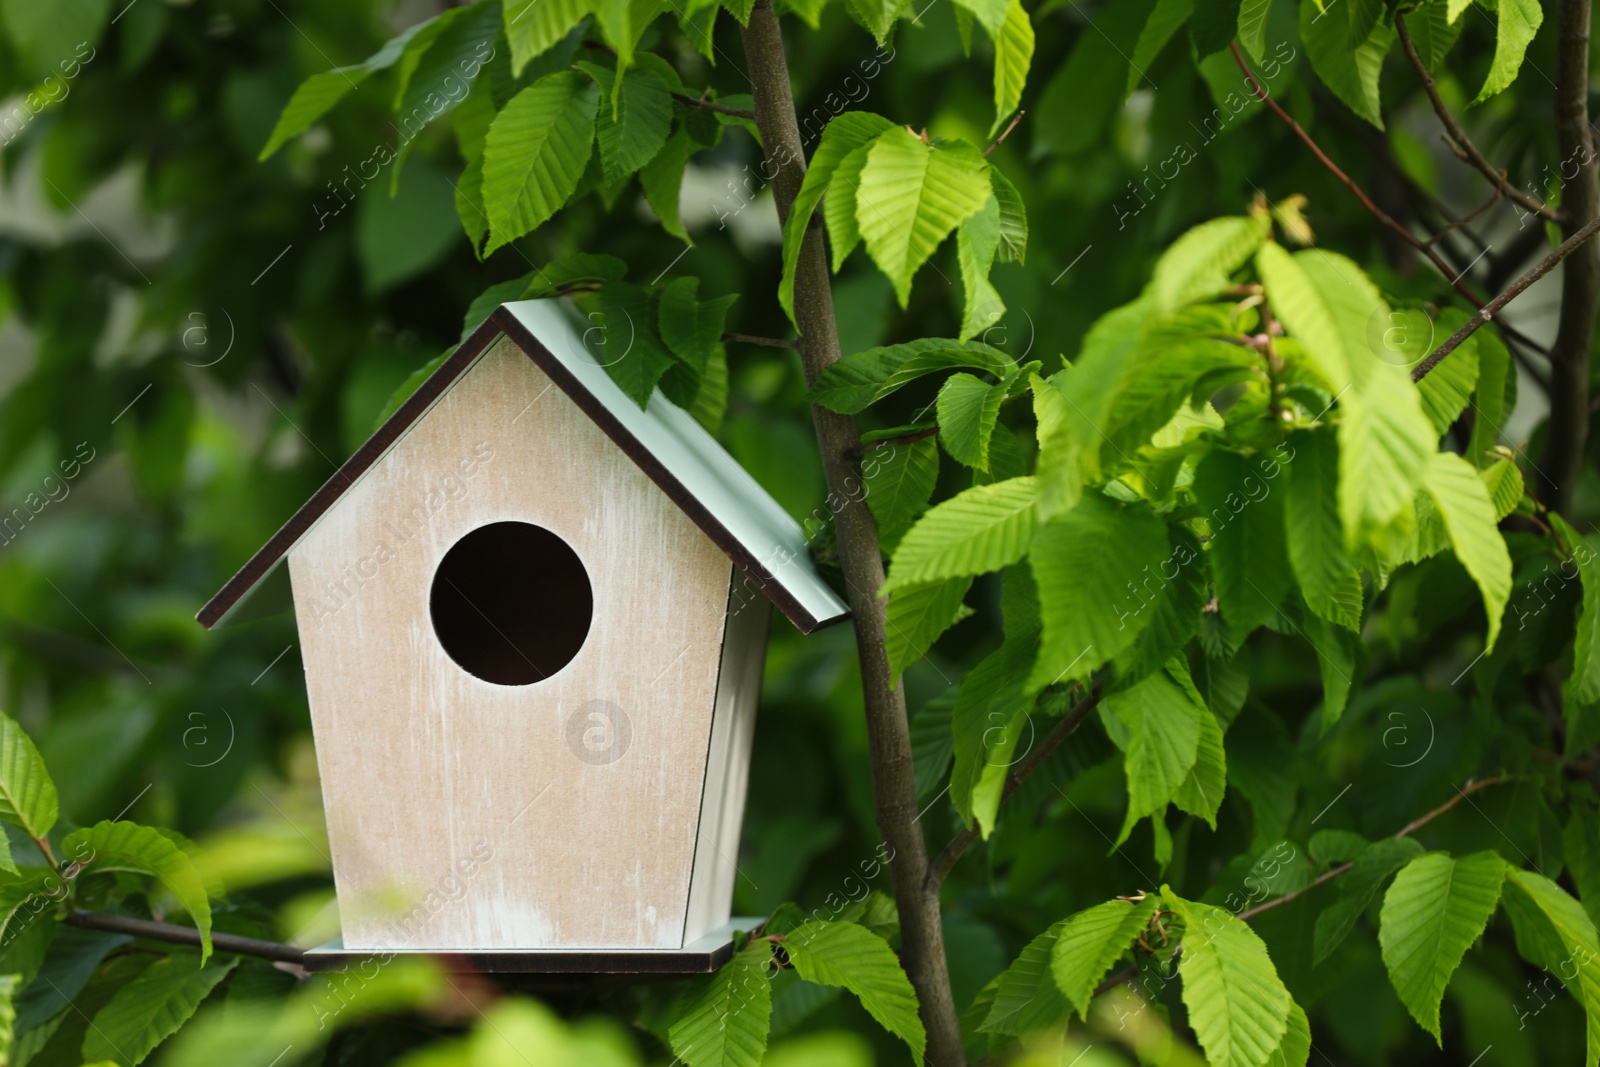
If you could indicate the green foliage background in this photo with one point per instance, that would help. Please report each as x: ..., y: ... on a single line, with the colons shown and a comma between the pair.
x: 208, y: 301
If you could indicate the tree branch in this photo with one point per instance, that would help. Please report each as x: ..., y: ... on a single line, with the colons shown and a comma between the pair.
x: 1467, y: 150
x: 185, y: 935
x: 860, y: 559
x: 1568, y: 433
x: 751, y: 339
x: 1512, y: 291
x: 711, y: 105
x: 941, y: 866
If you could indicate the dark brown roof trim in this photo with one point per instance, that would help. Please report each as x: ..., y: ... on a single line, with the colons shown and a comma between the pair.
x: 499, y: 322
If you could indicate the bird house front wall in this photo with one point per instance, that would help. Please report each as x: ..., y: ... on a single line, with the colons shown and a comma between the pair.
x: 462, y: 814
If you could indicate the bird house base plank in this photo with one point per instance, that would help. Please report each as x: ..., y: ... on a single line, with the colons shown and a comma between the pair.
x: 701, y: 956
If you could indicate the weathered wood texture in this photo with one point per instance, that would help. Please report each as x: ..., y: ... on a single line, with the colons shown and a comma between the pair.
x: 462, y: 814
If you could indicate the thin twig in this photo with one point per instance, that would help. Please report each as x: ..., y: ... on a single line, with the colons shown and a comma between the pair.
x: 1461, y: 143
x: 1512, y: 291
x: 903, y: 439
x: 185, y: 935
x: 711, y: 105
x: 946, y: 860
x: 1005, y: 132
x: 751, y: 339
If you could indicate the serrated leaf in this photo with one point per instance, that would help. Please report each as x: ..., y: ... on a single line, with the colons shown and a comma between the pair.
x: 968, y: 408
x: 1013, y: 55
x: 1463, y: 502
x: 623, y: 23
x: 917, y: 616
x: 632, y: 122
x: 912, y: 195
x: 1214, y: 25
x: 127, y: 846
x: 989, y: 721
x: 1027, y: 998
x: 979, y: 530
x: 662, y: 181
x: 1253, y: 26
x: 1295, y: 1050
x: 630, y: 350
x: 1013, y: 247
x: 1087, y: 613
x: 1198, y: 263
x: 469, y: 205
x: 1516, y: 24
x: 1163, y: 723
x: 839, y: 205
x: 977, y: 244
x: 1351, y: 74
x: 1555, y: 933
x: 991, y: 14
x: 1328, y: 580
x: 1582, y: 685
x: 726, y: 1017
x: 1178, y: 597
x: 852, y: 957
x: 845, y: 134
x: 877, y: 16
x: 899, y: 483
x: 535, y: 26
x: 151, y: 1008
x: 535, y: 153
x: 1089, y: 943
x: 1504, y: 483
x: 692, y: 327
x: 438, y: 76
x: 316, y: 95
x: 1202, y: 789
x: 1435, y: 909
x: 932, y: 743
x: 861, y: 378
x: 27, y: 792
x: 1447, y: 388
x: 1432, y: 33
x: 1248, y: 550
x: 1370, y: 867
x: 1238, y: 1005
x: 1489, y: 408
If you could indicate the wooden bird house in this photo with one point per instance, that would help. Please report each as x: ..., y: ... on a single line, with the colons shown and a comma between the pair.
x: 533, y: 619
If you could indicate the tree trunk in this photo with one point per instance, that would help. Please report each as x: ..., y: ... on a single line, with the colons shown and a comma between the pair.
x: 1580, y: 279
x: 888, y: 731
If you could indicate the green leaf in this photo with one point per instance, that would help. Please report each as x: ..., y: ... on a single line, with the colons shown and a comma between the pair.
x: 855, y: 381
x: 1336, y: 649
x: 1555, y: 933
x: 1179, y: 598
x: 632, y: 128
x: 27, y: 792
x: 1517, y: 21
x: 1158, y: 30
x: 631, y: 351
x: 10, y: 986
x: 127, y: 846
x: 1369, y: 869
x: 1198, y: 263
x: 968, y: 408
x: 1296, y: 1048
x: 981, y: 529
x: 1464, y: 504
x: 692, y: 328
x: 989, y: 721
x: 1352, y: 75
x: 977, y: 244
x: 1432, y: 33
x: 726, y: 1015
x: 1238, y: 1006
x: 469, y: 205
x: 839, y: 205
x: 535, y: 26
x: 1213, y: 25
x: 911, y: 196
x: 843, y: 135
x: 1248, y: 549
x: 623, y: 23
x: 991, y: 14
x: 1328, y: 580
x: 1088, y: 614
x: 1013, y: 54
x: 1448, y: 387
x: 1582, y: 685
x: 1202, y: 789
x: 932, y: 742
x: 899, y: 483
x: 916, y: 618
x: 853, y: 958
x: 662, y: 181
x: 877, y: 16
x: 1163, y: 722
x: 1013, y: 247
x: 1489, y: 407
x: 1089, y: 943
x: 316, y: 95
x: 1253, y: 26
x: 151, y: 1008
x: 437, y: 75
x: 1433, y: 912
x: 1027, y: 998
x: 536, y: 151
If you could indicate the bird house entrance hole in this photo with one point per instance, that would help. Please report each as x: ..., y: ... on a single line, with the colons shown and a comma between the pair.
x: 511, y: 603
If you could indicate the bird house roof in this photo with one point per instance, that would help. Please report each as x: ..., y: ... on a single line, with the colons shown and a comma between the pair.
x: 674, y: 450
